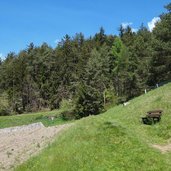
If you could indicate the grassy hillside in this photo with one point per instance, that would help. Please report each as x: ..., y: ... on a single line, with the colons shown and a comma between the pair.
x: 24, y: 119
x: 115, y: 140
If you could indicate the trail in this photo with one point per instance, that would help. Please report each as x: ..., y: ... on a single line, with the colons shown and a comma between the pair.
x: 163, y: 148
x: 18, y: 144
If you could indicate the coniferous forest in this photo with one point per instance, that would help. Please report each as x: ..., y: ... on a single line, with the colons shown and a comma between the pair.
x: 87, y: 74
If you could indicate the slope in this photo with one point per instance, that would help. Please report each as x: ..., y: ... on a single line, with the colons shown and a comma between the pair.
x: 115, y: 140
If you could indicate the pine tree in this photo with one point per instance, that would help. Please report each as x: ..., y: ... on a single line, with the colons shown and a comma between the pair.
x: 161, y: 59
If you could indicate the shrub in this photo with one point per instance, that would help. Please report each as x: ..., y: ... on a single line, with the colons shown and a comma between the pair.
x: 110, y: 98
x: 4, y: 112
x: 68, y: 115
x: 66, y: 104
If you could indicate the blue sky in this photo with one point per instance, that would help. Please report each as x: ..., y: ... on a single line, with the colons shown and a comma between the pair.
x: 38, y: 21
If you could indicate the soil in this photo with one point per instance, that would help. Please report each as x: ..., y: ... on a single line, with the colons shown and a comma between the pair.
x: 163, y: 148
x: 18, y: 144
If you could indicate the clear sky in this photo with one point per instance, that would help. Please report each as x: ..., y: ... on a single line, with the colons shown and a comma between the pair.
x: 38, y: 21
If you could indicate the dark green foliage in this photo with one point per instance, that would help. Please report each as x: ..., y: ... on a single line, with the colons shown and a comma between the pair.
x: 4, y: 105
x: 68, y: 115
x: 88, y: 101
x: 4, y: 112
x: 111, y: 69
x: 160, y: 66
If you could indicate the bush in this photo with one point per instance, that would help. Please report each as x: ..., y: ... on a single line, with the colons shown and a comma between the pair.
x: 66, y: 105
x: 4, y: 112
x: 68, y: 115
x: 110, y: 98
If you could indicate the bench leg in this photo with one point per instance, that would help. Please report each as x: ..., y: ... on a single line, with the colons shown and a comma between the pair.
x: 146, y: 121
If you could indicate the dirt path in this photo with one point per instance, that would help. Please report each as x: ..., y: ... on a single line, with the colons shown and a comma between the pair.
x: 163, y: 148
x: 18, y: 144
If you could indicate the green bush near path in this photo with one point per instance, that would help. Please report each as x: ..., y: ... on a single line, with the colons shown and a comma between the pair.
x: 115, y: 140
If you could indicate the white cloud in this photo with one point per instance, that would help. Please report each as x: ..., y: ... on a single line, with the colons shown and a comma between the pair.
x: 152, y: 23
x: 1, y: 56
x: 134, y: 30
x: 56, y: 41
x: 126, y: 24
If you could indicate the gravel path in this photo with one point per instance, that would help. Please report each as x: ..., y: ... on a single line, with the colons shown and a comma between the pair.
x: 17, y: 144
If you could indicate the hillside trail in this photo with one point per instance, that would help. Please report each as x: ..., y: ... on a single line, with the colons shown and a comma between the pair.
x: 163, y: 148
x: 18, y: 144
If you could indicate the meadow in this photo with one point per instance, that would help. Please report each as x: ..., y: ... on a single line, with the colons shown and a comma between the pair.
x: 115, y: 140
x: 25, y: 119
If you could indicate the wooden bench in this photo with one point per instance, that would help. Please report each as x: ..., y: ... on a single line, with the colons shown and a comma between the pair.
x: 152, y: 117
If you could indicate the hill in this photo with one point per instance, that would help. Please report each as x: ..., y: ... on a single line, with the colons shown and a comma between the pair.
x: 115, y: 140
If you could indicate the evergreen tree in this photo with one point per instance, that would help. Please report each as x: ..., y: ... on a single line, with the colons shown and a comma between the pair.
x: 88, y: 101
x: 89, y: 71
x: 161, y: 58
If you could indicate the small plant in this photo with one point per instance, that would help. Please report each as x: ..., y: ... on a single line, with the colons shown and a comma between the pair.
x: 38, y: 145
x: 9, y: 154
x: 66, y: 104
x: 68, y: 115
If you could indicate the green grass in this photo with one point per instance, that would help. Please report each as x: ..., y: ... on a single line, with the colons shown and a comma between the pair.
x: 24, y: 119
x: 115, y: 140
